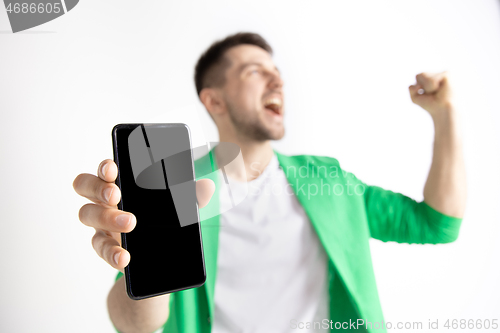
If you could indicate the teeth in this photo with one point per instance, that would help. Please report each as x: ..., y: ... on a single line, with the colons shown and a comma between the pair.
x: 273, y: 101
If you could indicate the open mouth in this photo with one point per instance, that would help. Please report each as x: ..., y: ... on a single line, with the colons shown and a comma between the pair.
x: 274, y: 105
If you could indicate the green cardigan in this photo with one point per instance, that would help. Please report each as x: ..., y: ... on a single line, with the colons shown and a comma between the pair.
x: 345, y: 213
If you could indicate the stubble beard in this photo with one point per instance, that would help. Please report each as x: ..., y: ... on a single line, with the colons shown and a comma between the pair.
x: 253, y: 128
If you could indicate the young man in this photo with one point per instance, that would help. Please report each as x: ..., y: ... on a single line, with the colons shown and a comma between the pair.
x: 284, y: 258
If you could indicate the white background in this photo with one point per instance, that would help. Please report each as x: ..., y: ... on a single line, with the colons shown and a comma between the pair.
x: 346, y: 66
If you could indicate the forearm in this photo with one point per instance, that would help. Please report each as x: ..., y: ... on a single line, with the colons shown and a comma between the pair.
x: 445, y: 189
x: 130, y: 316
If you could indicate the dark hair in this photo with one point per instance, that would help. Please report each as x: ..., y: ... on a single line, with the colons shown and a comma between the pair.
x: 209, y: 70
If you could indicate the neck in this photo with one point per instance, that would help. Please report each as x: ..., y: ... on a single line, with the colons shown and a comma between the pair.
x: 256, y: 156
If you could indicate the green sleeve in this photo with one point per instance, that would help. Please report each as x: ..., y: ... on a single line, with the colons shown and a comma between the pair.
x: 119, y: 275
x: 396, y: 217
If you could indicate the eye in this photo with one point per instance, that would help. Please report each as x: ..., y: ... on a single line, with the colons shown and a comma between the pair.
x: 254, y: 71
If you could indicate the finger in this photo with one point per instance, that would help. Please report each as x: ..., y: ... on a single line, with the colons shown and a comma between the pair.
x: 416, y: 92
x: 96, y: 189
x: 107, y: 171
x: 205, y: 188
x: 427, y: 82
x: 109, y: 219
x: 110, y: 250
x: 430, y: 82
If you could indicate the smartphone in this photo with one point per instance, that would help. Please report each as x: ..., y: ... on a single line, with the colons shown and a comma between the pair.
x: 157, y: 182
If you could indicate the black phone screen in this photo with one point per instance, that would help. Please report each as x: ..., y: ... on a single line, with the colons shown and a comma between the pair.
x: 166, y: 251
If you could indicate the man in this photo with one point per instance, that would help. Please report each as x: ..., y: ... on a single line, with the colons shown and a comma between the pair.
x: 286, y: 260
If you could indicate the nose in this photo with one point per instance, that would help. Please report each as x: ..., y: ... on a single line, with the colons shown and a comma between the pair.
x: 276, y: 81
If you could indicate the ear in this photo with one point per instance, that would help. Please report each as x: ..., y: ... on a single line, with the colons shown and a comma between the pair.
x: 212, y: 100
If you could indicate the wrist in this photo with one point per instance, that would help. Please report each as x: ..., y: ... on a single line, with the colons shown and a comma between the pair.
x: 447, y: 125
x: 445, y: 116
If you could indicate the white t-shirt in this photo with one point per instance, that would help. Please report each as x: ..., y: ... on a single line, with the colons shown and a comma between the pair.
x: 271, y: 267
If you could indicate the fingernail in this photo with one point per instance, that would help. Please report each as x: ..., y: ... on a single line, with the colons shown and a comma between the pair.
x: 104, y: 168
x: 123, y: 220
x: 107, y: 193
x: 116, y: 257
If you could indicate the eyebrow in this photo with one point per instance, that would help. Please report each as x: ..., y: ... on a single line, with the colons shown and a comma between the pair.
x: 242, y: 67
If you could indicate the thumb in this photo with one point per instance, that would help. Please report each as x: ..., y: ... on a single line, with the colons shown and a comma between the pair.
x: 205, y: 189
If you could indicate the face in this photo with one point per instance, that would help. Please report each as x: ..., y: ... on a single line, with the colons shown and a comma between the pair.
x: 253, y: 93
